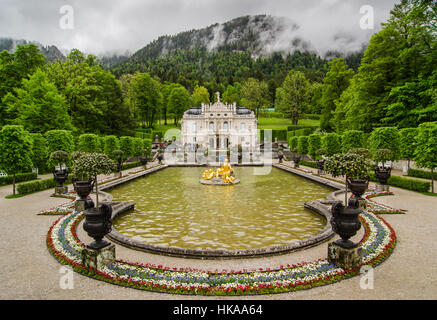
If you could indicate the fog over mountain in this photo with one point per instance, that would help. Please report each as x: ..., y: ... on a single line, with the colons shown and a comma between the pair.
x: 111, y: 26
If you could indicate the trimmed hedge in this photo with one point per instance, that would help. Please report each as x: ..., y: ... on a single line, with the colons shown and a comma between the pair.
x: 37, y: 185
x: 130, y: 165
x: 19, y: 177
x: 280, y: 134
x: 421, y: 174
x: 310, y: 164
x: 405, y: 183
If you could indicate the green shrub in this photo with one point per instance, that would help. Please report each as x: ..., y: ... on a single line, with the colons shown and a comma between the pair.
x: 302, y: 145
x: 110, y: 144
x: 314, y: 144
x: 405, y: 183
x: 281, y: 135
x: 420, y: 174
x: 310, y: 164
x: 59, y: 140
x: 126, y: 145
x: 352, y: 139
x: 147, y: 145
x: 130, y: 165
x: 292, y: 143
x: 138, y: 146
x: 19, y: 177
x: 39, y: 152
x: 88, y: 143
x: 331, y: 143
x: 407, y: 142
x: 385, y: 138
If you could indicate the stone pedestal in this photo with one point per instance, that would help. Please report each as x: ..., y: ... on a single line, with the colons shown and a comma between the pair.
x: 320, y: 172
x: 345, y: 258
x: 362, y: 204
x: 295, y: 165
x: 82, y: 205
x: 97, y: 259
x: 382, y: 187
x: 117, y: 174
x: 61, y: 190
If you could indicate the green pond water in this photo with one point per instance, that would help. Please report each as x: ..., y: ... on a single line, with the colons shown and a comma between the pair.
x: 173, y: 209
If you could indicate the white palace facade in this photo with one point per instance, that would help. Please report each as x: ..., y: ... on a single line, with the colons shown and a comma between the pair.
x: 219, y: 126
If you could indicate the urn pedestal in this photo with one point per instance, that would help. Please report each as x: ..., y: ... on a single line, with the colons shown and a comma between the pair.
x: 98, y: 259
x: 344, y: 252
x: 60, y: 175
x: 346, y: 259
x: 382, y: 174
x: 83, y: 189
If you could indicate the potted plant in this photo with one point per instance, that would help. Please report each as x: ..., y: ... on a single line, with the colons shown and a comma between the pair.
x: 58, y: 159
x: 382, y: 173
x: 87, y: 167
x: 344, y: 219
x: 352, y: 166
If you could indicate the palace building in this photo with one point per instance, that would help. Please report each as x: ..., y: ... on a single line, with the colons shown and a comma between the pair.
x: 220, y: 126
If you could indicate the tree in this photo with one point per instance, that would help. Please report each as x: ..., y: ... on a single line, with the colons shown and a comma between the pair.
x: 232, y: 94
x: 88, y: 143
x: 38, y: 105
x: 148, y: 97
x: 426, y: 149
x: 89, y: 165
x: 314, y: 144
x: 302, y: 145
x: 59, y: 140
x: 336, y: 81
x: 110, y: 145
x: 254, y: 95
x: 407, y: 143
x: 166, y: 91
x: 385, y: 138
x: 397, y: 60
x: 331, y: 143
x: 200, y: 95
x: 352, y: 139
x: 293, y: 96
x: 39, y: 151
x: 179, y: 101
x: 15, y: 150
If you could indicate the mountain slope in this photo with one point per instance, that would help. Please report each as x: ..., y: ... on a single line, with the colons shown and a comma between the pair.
x: 52, y: 53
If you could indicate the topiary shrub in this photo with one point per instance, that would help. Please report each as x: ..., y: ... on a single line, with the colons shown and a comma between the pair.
x: 302, y: 145
x: 59, y: 140
x: 110, y: 145
x: 386, y: 138
x: 352, y: 139
x: 88, y: 143
x: 331, y: 143
x: 314, y: 144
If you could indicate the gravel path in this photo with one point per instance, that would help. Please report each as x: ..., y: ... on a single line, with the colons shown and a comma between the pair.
x: 30, y: 272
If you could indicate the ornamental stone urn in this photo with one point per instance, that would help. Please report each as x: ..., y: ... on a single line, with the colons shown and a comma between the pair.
x: 345, y: 222
x: 358, y: 188
x: 382, y: 174
x: 83, y: 189
x: 296, y: 160
x: 60, y: 174
x: 97, y: 224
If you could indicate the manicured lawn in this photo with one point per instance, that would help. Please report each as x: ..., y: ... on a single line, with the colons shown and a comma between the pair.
x: 263, y: 123
x: 282, y: 124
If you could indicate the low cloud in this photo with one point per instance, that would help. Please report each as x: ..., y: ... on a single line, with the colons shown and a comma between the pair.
x: 105, y: 26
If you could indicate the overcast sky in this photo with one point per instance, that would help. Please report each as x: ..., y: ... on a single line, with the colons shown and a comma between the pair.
x: 118, y: 25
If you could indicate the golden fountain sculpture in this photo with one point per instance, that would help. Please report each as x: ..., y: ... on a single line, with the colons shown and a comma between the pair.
x: 225, y: 173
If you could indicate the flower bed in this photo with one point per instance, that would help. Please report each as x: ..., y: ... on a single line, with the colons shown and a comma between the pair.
x: 378, y: 208
x: 377, y: 243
